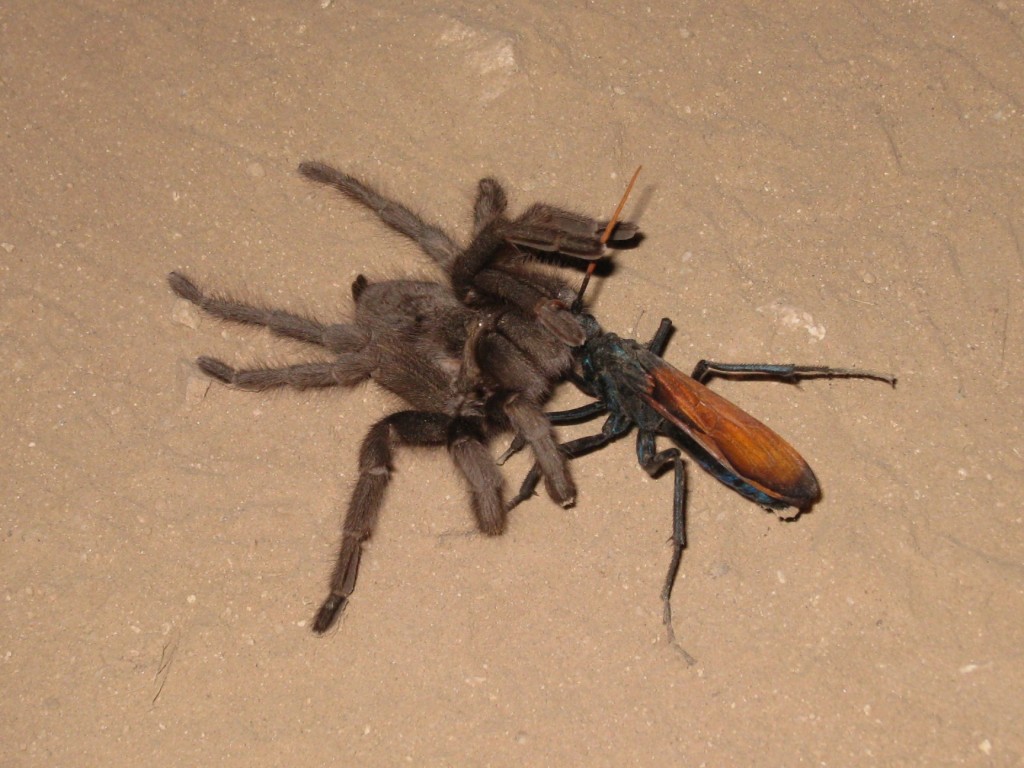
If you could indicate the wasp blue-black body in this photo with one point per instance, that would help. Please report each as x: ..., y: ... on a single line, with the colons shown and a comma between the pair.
x: 639, y: 388
x: 636, y: 388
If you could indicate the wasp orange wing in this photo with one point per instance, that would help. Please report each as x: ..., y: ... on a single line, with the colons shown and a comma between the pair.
x: 737, y: 440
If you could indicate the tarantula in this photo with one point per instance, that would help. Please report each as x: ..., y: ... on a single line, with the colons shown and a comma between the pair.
x: 468, y: 366
x: 519, y: 358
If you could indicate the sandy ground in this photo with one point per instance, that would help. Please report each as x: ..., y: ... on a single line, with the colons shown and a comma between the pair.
x: 826, y: 183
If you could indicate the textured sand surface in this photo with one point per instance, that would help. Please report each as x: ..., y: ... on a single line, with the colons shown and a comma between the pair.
x: 823, y: 183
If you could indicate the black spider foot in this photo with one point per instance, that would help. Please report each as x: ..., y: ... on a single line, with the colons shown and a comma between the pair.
x: 184, y: 287
x: 333, y: 607
x: 217, y: 369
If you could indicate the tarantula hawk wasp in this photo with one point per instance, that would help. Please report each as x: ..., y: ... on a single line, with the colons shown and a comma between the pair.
x: 468, y: 366
x: 636, y: 388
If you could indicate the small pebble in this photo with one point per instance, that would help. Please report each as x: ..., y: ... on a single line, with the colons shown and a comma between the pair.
x: 185, y: 313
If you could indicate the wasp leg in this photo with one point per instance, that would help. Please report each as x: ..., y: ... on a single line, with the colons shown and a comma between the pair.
x: 658, y: 343
x: 572, y: 450
x: 571, y: 416
x: 653, y: 462
x: 705, y: 369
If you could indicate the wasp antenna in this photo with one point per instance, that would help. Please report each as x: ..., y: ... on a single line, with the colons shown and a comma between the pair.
x: 578, y: 303
x: 618, y: 209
